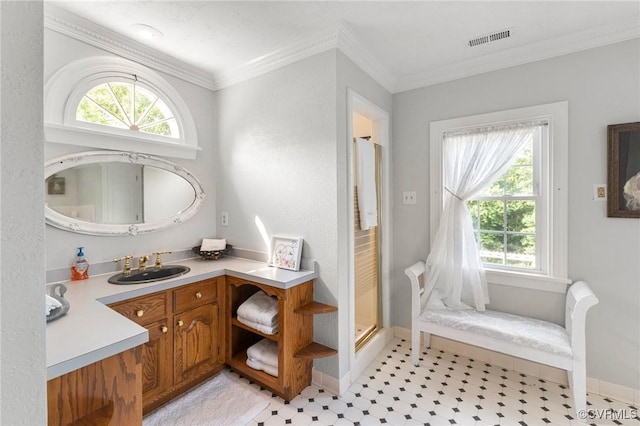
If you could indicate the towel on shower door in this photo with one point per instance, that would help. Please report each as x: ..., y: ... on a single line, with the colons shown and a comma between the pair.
x: 259, y: 308
x: 366, y: 183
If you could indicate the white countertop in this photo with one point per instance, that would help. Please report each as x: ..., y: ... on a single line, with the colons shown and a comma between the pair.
x: 91, y: 331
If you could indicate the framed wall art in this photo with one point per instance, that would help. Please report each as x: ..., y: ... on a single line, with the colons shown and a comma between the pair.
x: 623, y: 168
x: 56, y: 185
x: 286, y: 252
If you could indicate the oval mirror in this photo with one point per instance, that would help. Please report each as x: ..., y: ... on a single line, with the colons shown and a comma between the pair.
x: 118, y: 193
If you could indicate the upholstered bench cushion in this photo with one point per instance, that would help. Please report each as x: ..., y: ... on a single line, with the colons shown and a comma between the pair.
x: 530, y: 332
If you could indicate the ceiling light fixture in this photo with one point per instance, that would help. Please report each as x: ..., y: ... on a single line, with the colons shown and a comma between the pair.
x: 146, y: 32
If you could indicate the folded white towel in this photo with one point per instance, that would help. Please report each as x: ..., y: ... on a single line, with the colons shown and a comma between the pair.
x: 212, y: 244
x: 257, y: 365
x: 51, y: 304
x: 266, y: 329
x: 260, y: 308
x: 265, y: 351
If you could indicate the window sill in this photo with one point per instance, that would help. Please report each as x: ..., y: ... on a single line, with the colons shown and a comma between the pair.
x: 529, y: 281
x: 90, y: 138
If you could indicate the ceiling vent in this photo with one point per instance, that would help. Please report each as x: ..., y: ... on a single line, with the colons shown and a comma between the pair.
x: 489, y: 38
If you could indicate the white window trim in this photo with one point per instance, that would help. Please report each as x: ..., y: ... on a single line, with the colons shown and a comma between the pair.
x: 556, y: 277
x: 66, y: 87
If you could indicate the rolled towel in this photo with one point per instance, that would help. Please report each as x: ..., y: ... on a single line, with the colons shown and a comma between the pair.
x: 265, y: 351
x: 51, y: 304
x: 212, y: 244
x: 260, y: 308
x: 266, y: 329
x: 257, y: 365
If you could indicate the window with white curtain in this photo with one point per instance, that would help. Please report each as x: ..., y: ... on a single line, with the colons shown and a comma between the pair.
x: 508, y: 215
x: 519, y: 219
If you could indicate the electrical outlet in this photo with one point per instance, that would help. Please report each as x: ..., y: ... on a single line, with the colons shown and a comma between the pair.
x: 599, y: 192
x: 409, y: 197
x: 224, y: 218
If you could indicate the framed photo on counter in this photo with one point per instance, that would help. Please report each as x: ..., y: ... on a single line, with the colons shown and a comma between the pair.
x: 286, y: 252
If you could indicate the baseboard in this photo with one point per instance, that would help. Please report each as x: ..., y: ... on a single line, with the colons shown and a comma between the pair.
x: 552, y: 374
x: 330, y: 383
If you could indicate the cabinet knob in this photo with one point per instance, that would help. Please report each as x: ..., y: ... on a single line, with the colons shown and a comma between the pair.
x: 198, y: 295
x: 180, y: 323
x: 164, y: 329
x: 139, y: 312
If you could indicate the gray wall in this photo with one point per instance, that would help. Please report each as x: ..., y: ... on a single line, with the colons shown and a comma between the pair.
x: 602, y: 87
x: 22, y: 323
x: 61, y: 245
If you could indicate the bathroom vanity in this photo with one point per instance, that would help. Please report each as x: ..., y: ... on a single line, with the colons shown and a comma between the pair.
x: 157, y: 340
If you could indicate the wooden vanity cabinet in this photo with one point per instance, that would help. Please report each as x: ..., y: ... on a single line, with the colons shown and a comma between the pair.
x: 186, y: 343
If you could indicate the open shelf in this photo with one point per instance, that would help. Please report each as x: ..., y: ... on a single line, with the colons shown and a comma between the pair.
x: 236, y: 323
x: 239, y: 363
x: 315, y: 350
x: 315, y: 308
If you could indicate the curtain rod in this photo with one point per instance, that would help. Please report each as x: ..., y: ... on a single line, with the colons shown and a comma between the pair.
x: 497, y: 128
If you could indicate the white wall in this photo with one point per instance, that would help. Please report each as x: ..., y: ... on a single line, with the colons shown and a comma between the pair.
x: 277, y: 161
x: 22, y: 320
x: 61, y: 245
x: 602, y: 87
x: 283, y: 157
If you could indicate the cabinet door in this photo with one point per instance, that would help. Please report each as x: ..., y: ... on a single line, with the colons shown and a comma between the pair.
x: 196, y: 342
x: 156, y: 361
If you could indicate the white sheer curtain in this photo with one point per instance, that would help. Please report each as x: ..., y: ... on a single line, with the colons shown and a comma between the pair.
x: 471, y: 161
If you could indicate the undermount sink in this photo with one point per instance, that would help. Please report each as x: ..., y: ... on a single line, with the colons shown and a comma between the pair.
x: 149, y: 275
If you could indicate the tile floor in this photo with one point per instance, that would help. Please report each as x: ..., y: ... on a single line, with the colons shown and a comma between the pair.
x: 446, y: 389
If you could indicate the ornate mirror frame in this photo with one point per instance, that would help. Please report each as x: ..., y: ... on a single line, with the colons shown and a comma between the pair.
x: 56, y: 165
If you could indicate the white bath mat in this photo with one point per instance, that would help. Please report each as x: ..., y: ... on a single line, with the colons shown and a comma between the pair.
x: 219, y: 401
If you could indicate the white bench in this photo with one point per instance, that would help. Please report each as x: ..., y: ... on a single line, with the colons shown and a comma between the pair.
x: 532, y: 339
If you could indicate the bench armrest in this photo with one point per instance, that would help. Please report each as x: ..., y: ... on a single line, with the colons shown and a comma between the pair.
x: 417, y: 288
x: 579, y: 299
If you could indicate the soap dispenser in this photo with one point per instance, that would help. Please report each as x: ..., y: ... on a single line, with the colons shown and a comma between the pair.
x: 79, y: 267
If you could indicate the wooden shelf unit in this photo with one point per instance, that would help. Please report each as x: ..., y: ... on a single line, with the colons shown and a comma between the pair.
x: 296, y: 349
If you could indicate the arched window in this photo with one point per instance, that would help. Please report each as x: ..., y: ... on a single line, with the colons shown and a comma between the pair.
x: 127, y: 106
x: 113, y: 103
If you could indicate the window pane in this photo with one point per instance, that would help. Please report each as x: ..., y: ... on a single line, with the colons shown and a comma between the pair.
x: 144, y: 99
x: 521, y: 250
x: 473, y: 209
x: 158, y: 129
x: 520, y: 180
x: 88, y: 111
x: 101, y: 95
x: 492, y: 215
x: 521, y: 216
x: 496, y: 189
x: 492, y: 247
x: 122, y: 92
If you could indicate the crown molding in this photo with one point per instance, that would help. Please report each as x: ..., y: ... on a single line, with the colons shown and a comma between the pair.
x: 279, y: 58
x: 351, y: 46
x: 533, y: 52
x: 81, y: 29
x: 340, y: 38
